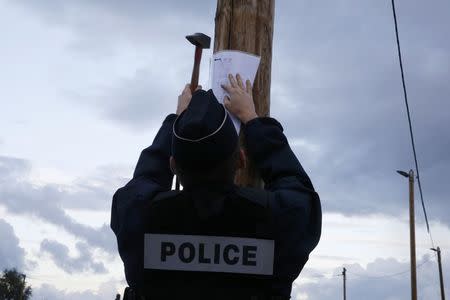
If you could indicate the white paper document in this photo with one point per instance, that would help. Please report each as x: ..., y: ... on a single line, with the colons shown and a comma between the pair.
x: 231, y: 62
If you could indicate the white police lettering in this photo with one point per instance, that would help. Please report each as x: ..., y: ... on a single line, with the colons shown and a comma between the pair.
x: 208, y: 254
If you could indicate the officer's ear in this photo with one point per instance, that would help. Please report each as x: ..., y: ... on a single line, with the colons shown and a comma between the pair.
x: 173, y: 165
x: 242, y: 161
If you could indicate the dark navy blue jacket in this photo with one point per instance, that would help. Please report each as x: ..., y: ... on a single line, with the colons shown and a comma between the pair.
x: 294, y: 204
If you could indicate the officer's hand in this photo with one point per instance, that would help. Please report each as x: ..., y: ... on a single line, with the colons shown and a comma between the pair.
x: 185, y: 98
x: 240, y: 103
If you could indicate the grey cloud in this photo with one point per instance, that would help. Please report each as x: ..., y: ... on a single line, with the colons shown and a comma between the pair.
x: 106, y: 291
x: 50, y: 292
x: 95, y: 190
x: 101, y: 27
x: 144, y: 99
x: 334, y: 258
x: 141, y: 100
x: 65, y: 12
x: 154, y: 30
x: 336, y: 85
x: 84, y: 262
x: 20, y: 196
x: 11, y: 254
x: 371, y: 283
x: 11, y: 167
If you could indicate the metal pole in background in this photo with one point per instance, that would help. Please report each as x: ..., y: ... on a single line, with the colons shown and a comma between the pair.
x: 441, y: 277
x: 412, y: 236
x: 412, y: 232
x: 344, y: 276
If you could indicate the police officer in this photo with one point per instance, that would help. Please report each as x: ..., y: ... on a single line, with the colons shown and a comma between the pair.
x: 214, y: 240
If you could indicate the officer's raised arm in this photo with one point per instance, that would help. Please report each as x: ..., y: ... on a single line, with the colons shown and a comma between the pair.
x: 154, y: 161
x: 266, y: 144
x: 295, y: 204
x: 152, y: 175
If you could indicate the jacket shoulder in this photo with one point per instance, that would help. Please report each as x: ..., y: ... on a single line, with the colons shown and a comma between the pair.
x: 257, y: 196
x: 166, y: 195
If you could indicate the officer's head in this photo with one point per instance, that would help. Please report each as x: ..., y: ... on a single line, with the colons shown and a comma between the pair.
x: 205, y: 145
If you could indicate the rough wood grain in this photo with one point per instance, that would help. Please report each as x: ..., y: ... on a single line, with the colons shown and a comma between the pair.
x: 247, y: 25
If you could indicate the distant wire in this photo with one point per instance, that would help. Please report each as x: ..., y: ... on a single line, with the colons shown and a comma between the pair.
x: 379, y: 276
x: 321, y: 276
x: 409, y: 120
x: 388, y: 275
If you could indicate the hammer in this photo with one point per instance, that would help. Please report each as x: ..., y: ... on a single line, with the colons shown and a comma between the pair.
x: 200, y: 41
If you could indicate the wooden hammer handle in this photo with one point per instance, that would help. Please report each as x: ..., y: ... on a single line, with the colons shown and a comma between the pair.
x: 196, y: 69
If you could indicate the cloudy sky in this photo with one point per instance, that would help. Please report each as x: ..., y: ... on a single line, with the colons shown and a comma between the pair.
x: 84, y: 86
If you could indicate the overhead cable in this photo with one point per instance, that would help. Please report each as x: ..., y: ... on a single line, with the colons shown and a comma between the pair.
x: 409, y: 121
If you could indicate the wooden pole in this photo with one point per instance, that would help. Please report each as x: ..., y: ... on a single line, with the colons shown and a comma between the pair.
x: 412, y: 236
x: 247, y: 25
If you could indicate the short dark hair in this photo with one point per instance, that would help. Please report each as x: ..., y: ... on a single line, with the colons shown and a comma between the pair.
x: 224, y: 171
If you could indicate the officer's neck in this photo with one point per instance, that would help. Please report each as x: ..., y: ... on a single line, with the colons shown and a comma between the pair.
x: 218, y: 185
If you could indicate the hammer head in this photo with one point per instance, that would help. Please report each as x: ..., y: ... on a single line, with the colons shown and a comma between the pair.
x: 199, y: 40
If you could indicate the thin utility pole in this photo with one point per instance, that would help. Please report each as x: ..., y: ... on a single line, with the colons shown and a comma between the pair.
x: 441, y: 277
x: 412, y: 236
x: 412, y: 232
x: 247, y: 25
x: 344, y: 276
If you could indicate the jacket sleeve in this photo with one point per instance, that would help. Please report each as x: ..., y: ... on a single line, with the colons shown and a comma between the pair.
x: 151, y: 176
x: 295, y: 204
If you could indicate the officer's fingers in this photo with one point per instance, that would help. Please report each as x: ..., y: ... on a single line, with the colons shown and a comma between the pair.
x: 239, y: 81
x: 228, y: 88
x: 199, y: 87
x: 227, y: 102
x: 232, y: 81
x: 248, y: 86
x: 187, y: 89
